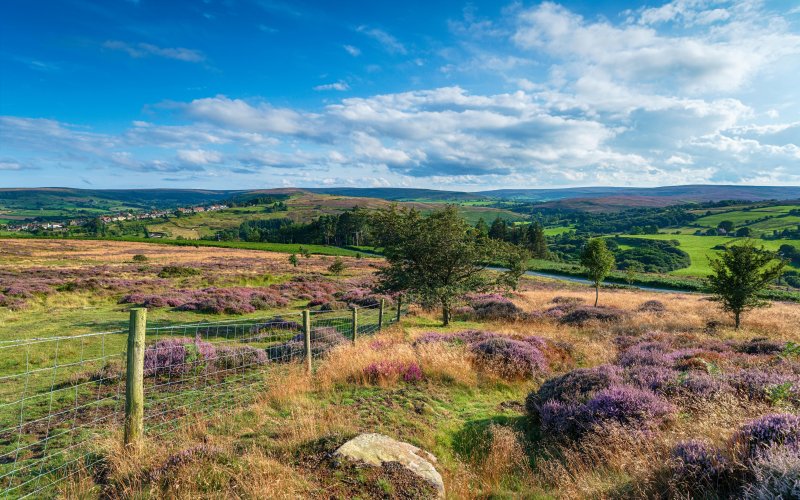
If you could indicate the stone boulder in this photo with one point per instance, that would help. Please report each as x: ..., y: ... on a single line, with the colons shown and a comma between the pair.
x: 377, y: 449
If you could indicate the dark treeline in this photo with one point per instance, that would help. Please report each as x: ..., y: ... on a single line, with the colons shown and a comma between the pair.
x: 350, y: 228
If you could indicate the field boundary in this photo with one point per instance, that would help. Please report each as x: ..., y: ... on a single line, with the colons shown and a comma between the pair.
x: 59, y: 394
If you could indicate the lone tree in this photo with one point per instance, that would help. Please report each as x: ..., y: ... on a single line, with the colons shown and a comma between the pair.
x: 740, y: 273
x: 598, y: 261
x: 537, y: 241
x: 439, y: 258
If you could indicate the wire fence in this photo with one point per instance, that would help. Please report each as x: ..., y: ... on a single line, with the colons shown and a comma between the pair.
x: 59, y: 394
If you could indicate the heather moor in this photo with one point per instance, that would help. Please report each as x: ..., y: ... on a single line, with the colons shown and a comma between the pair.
x: 269, y: 249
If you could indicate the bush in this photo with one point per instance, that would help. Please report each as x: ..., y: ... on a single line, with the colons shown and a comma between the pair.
x: 233, y: 357
x: 653, y: 306
x: 761, y: 346
x: 177, y: 272
x: 770, y: 431
x: 140, y: 258
x: 629, y: 406
x: 497, y: 310
x: 337, y: 267
x: 698, y: 467
x: 776, y: 474
x: 653, y: 378
x: 584, y: 314
x: 177, y: 356
x: 626, y: 406
x: 702, y: 385
x: 510, y: 358
x: 577, y: 386
x: 323, y: 339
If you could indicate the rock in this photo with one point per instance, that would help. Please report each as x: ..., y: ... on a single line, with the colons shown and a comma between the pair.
x: 377, y: 449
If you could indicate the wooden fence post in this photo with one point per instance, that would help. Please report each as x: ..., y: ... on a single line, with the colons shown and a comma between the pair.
x: 307, y: 337
x: 134, y: 380
x: 399, y: 305
x: 380, y: 314
x: 355, y: 323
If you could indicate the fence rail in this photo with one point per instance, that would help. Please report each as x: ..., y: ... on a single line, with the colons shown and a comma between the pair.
x: 58, y: 394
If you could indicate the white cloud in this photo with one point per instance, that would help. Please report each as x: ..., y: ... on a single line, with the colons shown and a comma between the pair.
x: 239, y: 114
x: 352, y: 50
x: 340, y: 86
x: 388, y: 42
x: 199, y: 156
x: 142, y: 49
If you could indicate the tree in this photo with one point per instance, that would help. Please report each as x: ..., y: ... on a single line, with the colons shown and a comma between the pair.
x: 537, y: 242
x: 726, y: 225
x: 739, y: 274
x: 516, y: 260
x: 498, y: 229
x: 438, y: 258
x: 744, y: 232
x: 337, y: 267
x: 293, y: 260
x: 598, y: 261
x: 481, y: 227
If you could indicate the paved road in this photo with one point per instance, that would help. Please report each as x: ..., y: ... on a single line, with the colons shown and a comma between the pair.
x: 584, y: 281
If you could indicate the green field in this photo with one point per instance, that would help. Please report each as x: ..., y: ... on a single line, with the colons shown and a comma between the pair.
x: 761, y: 219
x: 700, y: 249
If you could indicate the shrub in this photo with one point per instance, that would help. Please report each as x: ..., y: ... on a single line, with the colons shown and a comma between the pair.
x: 698, y: 467
x: 761, y: 346
x: 584, y: 314
x: 653, y: 306
x: 653, y: 378
x: 645, y: 353
x: 628, y: 406
x: 577, y: 386
x: 757, y: 384
x: 510, y: 358
x: 337, y: 267
x: 497, y: 311
x: 560, y: 299
x: 776, y: 474
x: 177, y: 272
x: 177, y: 356
x: 233, y: 357
x: 770, y: 431
x: 702, y: 385
x: 385, y: 371
x: 323, y: 339
x: 465, y: 337
x: 140, y: 258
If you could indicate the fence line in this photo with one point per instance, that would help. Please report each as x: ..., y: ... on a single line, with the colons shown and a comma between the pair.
x: 58, y: 394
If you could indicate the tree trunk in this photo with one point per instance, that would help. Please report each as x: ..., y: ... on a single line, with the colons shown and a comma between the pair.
x: 596, y: 294
x: 736, y: 318
x: 445, y: 314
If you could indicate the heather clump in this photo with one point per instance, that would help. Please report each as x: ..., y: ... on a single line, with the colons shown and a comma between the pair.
x: 177, y: 356
x: 388, y: 371
x: 761, y: 346
x: 584, y: 314
x: 775, y: 474
x: 510, y: 358
x: 701, y: 385
x: 652, y: 306
x: 768, y: 432
x: 323, y: 339
x: 576, y: 386
x: 760, y: 384
x: 698, y: 468
x: 464, y: 337
x: 494, y: 307
x: 235, y: 300
x: 234, y: 357
x: 620, y: 405
x: 651, y: 377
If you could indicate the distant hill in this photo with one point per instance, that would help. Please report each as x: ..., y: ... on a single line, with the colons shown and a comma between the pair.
x: 402, y: 194
x: 675, y: 194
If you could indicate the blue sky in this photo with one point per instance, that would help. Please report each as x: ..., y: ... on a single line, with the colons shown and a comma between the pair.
x: 449, y: 95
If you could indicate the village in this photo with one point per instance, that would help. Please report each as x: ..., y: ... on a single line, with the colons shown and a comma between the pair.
x: 64, y: 225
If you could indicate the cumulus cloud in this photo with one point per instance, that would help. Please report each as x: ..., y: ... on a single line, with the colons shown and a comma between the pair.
x: 141, y: 49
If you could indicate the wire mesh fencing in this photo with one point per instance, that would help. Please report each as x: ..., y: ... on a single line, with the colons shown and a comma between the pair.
x: 60, y: 394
